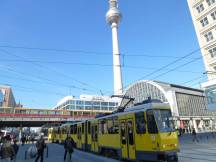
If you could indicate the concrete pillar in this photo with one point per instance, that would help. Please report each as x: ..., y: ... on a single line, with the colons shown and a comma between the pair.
x: 211, y: 124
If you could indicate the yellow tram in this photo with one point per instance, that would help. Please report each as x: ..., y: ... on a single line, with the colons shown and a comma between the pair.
x: 141, y: 133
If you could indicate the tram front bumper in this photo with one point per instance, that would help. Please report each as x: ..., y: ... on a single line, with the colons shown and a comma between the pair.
x: 168, y: 156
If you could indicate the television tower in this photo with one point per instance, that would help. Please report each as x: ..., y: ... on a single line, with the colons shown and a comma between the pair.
x: 113, y: 18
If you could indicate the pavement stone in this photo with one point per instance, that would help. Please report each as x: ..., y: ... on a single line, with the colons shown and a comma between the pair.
x: 202, y: 151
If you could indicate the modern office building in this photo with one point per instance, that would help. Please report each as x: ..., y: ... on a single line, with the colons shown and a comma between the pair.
x: 87, y: 105
x: 203, y: 13
x: 6, y: 97
x: 188, y: 105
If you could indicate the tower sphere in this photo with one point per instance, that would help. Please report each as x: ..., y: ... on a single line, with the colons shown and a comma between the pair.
x: 113, y: 16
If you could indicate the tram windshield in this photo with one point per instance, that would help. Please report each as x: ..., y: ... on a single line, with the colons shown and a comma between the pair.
x: 164, y: 120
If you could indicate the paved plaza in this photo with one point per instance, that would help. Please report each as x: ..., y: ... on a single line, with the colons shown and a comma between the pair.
x: 202, y: 151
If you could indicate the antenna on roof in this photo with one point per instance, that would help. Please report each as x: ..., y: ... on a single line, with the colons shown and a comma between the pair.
x: 101, y: 92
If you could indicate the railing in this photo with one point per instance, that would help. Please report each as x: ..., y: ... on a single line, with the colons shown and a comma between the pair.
x: 35, y: 115
x: 45, y: 116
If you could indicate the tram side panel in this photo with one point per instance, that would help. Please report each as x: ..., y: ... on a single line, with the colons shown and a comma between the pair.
x: 108, y: 136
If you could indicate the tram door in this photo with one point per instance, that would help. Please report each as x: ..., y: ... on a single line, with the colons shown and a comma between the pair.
x: 127, y: 139
x: 94, y: 136
x: 79, y: 137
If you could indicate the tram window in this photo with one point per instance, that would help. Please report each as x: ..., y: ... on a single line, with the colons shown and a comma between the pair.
x: 72, y: 129
x: 92, y: 133
x: 82, y: 127
x: 130, y: 133
x: 58, y: 130
x: 140, y: 123
x: 101, y: 126
x: 123, y: 135
x: 89, y: 127
x: 75, y: 129
x: 152, y: 127
x: 115, y: 126
x: 96, y: 133
x: 112, y: 126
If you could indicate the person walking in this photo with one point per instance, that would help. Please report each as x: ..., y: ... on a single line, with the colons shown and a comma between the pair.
x: 40, y: 147
x: 16, y: 149
x: 7, y: 151
x: 23, y: 139
x: 194, y: 135
x: 68, y: 146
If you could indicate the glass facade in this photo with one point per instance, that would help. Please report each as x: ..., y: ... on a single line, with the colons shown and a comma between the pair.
x: 211, y: 95
x: 77, y: 104
x: 191, y: 105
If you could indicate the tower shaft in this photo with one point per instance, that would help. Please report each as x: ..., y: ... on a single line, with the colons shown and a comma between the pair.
x: 116, y: 62
x: 113, y: 17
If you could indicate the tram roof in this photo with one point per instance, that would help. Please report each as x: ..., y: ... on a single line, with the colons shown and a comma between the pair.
x: 142, y: 107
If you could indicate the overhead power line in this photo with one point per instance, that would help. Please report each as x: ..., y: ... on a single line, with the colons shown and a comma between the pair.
x: 57, y: 72
x: 192, y: 80
x: 89, y: 64
x: 172, y: 63
x: 124, y: 54
x: 152, y: 73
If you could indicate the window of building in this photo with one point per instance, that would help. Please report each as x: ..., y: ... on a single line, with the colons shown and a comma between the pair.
x: 212, y: 52
x: 111, y: 103
x: 204, y: 21
x: 210, y: 2
x: 104, y: 103
x: 208, y: 36
x: 80, y: 107
x: 213, y: 15
x: 78, y: 102
x: 88, y: 103
x: 104, y: 108
x: 200, y: 8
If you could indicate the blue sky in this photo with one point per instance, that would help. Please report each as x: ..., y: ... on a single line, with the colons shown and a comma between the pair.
x: 50, y: 49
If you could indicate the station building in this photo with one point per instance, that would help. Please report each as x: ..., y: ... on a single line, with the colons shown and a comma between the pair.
x: 87, y: 105
x: 188, y: 105
x: 6, y: 97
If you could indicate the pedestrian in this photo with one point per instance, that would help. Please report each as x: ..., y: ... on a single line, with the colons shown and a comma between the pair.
x: 7, y: 151
x: 194, y: 135
x: 68, y: 146
x: 32, y: 138
x: 23, y: 139
x: 40, y: 144
x: 16, y: 149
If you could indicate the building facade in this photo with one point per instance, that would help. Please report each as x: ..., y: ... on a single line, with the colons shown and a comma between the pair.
x: 188, y: 105
x: 87, y: 105
x: 6, y: 97
x: 203, y: 13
